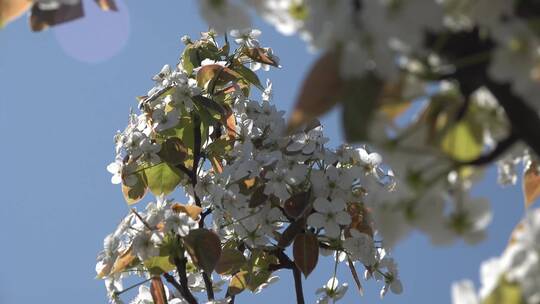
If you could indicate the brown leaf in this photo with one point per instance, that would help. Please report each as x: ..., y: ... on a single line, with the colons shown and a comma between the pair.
x: 230, y: 261
x: 157, y: 290
x: 107, y: 5
x: 260, y: 55
x: 238, y: 283
x: 191, y: 210
x: 355, y: 276
x: 258, y: 197
x: 12, y: 9
x: 359, y: 219
x: 123, y: 261
x: 296, y: 204
x: 320, y: 91
x: 306, y: 252
x: 204, y: 247
x: 41, y: 19
x: 249, y: 182
x: 391, y: 99
x: 173, y: 151
x: 230, y: 123
x: 531, y: 184
x: 133, y: 194
x: 519, y: 227
x: 216, y: 164
x: 291, y: 232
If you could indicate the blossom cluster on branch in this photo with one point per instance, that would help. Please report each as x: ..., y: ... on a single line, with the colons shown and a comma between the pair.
x: 440, y: 96
x: 466, y: 69
x: 253, y: 190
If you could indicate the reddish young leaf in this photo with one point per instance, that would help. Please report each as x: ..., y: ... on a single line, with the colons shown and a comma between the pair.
x: 320, y: 91
x: 204, y: 247
x: 306, y: 252
x: 291, y: 232
x: 531, y: 184
x: 42, y: 19
x: 296, y: 204
x: 230, y: 123
x: 157, y: 290
x: 260, y: 55
x: 12, y: 9
x: 214, y: 74
x: 107, y: 5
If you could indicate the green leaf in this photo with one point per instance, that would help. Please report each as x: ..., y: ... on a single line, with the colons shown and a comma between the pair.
x: 209, y: 104
x: 256, y: 279
x: 183, y: 131
x: 189, y: 59
x: 159, y: 264
x: 204, y: 247
x: 163, y: 178
x: 462, y: 142
x: 359, y: 103
x: 248, y: 75
x: 230, y: 261
x: 505, y: 293
x: 238, y: 283
x: 261, y: 259
x: 306, y: 252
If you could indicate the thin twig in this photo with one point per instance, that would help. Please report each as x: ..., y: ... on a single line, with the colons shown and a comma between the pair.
x: 298, y: 285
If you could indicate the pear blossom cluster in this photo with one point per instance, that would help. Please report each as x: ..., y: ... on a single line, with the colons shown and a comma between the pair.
x: 466, y: 75
x: 375, y: 34
x: 456, y: 56
x: 517, y: 267
x: 250, y: 184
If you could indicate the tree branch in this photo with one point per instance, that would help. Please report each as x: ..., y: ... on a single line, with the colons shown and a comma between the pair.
x: 197, y: 143
x: 499, y: 150
x: 175, y: 284
x: 208, y: 286
x: 285, y: 262
x: 524, y: 119
x: 184, y: 287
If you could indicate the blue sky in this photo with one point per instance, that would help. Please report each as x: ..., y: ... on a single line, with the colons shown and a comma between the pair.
x: 65, y: 92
